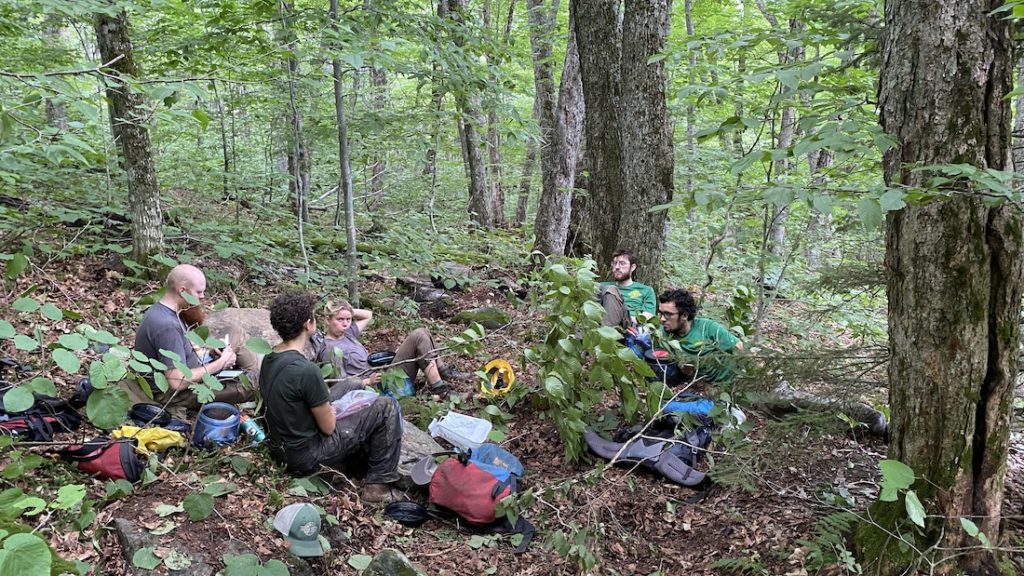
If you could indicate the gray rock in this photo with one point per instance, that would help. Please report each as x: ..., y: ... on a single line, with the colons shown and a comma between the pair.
x: 391, y: 562
x: 419, y: 287
x: 460, y: 273
x: 490, y: 318
x: 415, y: 445
x: 254, y: 321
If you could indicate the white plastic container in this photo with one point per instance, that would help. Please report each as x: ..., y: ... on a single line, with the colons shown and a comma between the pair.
x: 460, y: 430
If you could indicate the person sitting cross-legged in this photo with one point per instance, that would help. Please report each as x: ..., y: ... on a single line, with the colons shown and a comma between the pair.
x: 626, y: 302
x: 417, y: 353
x: 303, y: 430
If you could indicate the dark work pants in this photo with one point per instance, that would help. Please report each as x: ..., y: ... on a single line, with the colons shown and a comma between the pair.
x: 372, y: 435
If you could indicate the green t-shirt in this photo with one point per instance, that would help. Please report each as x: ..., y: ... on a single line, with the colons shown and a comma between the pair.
x: 709, y: 345
x: 291, y: 387
x: 638, y: 298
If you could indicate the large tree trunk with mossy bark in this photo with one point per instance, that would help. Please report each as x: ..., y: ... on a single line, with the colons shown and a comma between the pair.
x: 954, y: 283
x: 128, y: 126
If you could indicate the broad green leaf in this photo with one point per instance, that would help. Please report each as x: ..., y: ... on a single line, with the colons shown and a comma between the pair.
x: 198, y: 506
x: 359, y: 561
x: 16, y: 265
x: 103, y: 337
x: 220, y: 488
x: 202, y: 117
x: 177, y: 561
x: 915, y: 510
x: 554, y: 387
x: 166, y: 528
x: 52, y: 312
x: 892, y: 200
x: 896, y: 476
x: 67, y: 360
x: 18, y: 399
x: 107, y: 407
x: 73, y: 342
x: 870, y: 213
x: 145, y: 558
x: 190, y: 299
x: 118, y: 488
x: 29, y: 505
x: 22, y: 342
x: 7, y: 330
x: 25, y: 555
x: 167, y: 509
x: 41, y: 385
x: 68, y: 496
x: 25, y: 305
x: 258, y: 346
x: 970, y: 527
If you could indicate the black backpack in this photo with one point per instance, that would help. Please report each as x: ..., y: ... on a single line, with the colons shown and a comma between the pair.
x: 47, y: 416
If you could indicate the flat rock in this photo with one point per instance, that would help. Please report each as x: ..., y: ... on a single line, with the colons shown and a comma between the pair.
x: 452, y: 276
x: 254, y: 321
x: 419, y: 287
x: 415, y: 445
x: 488, y: 317
x: 391, y: 562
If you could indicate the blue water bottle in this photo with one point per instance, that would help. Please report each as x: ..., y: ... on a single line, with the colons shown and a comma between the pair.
x: 252, y: 429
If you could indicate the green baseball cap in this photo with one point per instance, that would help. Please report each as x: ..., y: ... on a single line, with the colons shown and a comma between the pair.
x: 300, y: 524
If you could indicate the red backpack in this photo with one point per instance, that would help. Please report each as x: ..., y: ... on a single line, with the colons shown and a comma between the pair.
x: 106, y: 458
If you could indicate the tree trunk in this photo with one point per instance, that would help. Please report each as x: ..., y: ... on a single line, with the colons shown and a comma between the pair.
x: 819, y: 228
x: 379, y: 164
x: 481, y: 205
x: 954, y: 278
x: 646, y: 135
x: 523, y: 200
x: 345, y: 171
x: 561, y: 123
x: 598, y: 40
x: 128, y: 126
x: 1017, y: 151
x: 56, y: 110
x: 298, y: 158
x: 691, y: 121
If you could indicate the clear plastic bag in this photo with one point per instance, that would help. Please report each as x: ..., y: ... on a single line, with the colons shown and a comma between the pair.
x: 353, y: 402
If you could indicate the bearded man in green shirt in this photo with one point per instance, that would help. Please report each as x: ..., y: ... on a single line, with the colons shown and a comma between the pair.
x: 707, y: 344
x: 626, y: 301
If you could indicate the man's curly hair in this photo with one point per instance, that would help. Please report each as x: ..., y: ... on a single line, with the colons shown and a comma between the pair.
x: 683, y: 300
x: 290, y: 311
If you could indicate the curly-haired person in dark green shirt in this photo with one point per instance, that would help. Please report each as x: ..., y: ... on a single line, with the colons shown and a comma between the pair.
x: 304, y: 432
x: 707, y: 344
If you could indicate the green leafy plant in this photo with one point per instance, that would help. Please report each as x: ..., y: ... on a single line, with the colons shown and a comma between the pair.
x: 579, y: 359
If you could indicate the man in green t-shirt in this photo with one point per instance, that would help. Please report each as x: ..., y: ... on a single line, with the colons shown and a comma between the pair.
x: 708, y: 344
x: 622, y: 291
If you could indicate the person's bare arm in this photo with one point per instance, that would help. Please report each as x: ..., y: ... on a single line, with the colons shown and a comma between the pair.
x: 738, y: 346
x: 324, y: 416
x: 176, y: 378
x: 362, y: 317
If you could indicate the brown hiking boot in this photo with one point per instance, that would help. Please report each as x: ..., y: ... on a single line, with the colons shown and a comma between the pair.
x: 452, y: 374
x: 379, y: 493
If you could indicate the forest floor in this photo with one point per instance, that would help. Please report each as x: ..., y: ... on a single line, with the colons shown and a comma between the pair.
x: 766, y: 519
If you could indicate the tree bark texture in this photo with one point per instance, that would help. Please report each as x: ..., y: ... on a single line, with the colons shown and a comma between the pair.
x: 481, y: 202
x: 523, y: 199
x: 598, y: 40
x: 646, y: 135
x: 1017, y: 151
x: 954, y: 272
x: 561, y: 123
x: 128, y: 125
x: 378, y: 168
x: 345, y: 195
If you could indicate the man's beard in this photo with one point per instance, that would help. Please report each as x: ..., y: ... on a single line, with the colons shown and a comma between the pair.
x: 193, y: 316
x: 620, y: 276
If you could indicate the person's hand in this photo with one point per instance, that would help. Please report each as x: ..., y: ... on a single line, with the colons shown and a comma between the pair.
x: 227, y: 358
x: 372, y: 380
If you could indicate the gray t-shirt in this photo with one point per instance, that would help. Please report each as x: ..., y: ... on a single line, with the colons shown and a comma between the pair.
x: 161, y: 329
x: 352, y: 354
